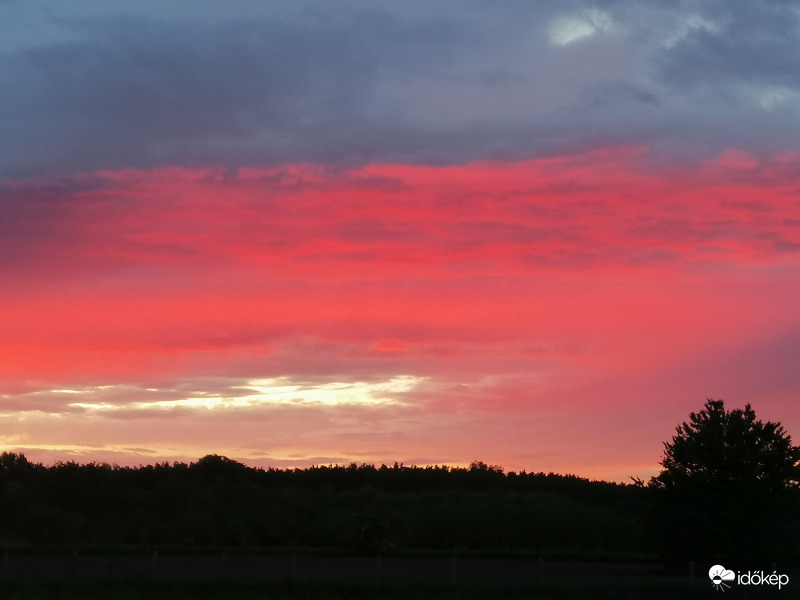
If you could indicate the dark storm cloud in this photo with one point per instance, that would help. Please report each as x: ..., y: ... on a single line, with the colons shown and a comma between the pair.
x: 140, y: 85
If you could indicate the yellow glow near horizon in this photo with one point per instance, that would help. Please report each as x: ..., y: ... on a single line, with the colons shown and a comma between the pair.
x: 273, y: 391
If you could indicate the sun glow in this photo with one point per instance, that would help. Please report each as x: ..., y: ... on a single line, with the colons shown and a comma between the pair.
x: 272, y: 391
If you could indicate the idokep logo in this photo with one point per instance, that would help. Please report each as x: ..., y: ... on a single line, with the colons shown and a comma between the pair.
x: 720, y: 576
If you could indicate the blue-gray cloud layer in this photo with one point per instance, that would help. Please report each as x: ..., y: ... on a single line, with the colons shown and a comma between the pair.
x: 89, y: 85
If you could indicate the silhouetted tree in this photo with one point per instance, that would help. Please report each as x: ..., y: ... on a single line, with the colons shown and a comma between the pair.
x: 728, y: 490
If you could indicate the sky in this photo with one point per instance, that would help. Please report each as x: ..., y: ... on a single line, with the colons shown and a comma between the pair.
x: 535, y: 234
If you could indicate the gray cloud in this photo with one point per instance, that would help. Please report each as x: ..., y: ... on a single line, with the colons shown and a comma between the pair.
x: 140, y: 85
x: 138, y: 92
x: 738, y: 44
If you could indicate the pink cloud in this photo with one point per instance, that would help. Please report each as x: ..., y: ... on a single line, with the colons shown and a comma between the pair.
x: 556, y: 291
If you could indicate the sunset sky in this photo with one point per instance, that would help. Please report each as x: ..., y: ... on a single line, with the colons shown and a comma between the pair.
x: 536, y: 234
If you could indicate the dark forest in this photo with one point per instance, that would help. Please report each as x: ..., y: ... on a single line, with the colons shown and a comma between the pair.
x: 217, y: 502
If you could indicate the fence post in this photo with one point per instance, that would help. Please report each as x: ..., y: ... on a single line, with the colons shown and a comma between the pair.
x: 454, y: 569
x: 154, y: 565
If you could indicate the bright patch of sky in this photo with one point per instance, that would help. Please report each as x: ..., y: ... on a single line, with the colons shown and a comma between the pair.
x: 273, y: 391
x: 571, y: 28
x: 689, y: 25
x: 771, y: 97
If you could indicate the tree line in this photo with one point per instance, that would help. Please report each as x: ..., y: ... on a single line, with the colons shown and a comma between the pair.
x: 219, y: 502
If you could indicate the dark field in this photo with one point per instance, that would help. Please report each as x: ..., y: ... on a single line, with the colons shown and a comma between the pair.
x: 324, y: 570
x: 338, y: 577
x: 173, y: 591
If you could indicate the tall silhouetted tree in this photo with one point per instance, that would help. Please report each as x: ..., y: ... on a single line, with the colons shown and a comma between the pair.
x: 728, y: 490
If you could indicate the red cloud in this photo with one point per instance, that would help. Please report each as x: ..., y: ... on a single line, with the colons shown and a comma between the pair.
x: 523, y: 285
